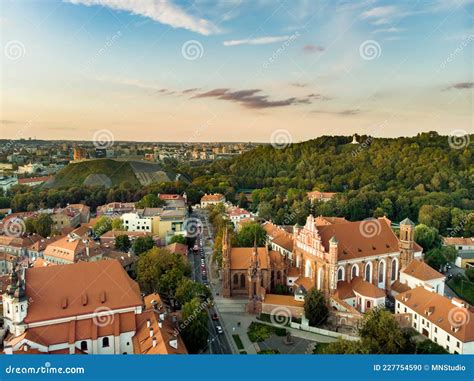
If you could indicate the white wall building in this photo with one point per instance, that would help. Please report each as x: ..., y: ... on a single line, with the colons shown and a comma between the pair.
x: 449, y: 323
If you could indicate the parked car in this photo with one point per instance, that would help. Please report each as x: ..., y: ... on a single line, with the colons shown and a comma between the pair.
x: 214, y: 316
x: 219, y: 329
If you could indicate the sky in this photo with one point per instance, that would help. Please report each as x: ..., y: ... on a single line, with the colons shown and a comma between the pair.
x: 262, y: 70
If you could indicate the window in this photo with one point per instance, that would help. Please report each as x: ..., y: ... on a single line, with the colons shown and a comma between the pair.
x: 236, y: 279
x: 447, y: 337
x: 84, y: 346
x: 340, y: 274
x: 394, y: 269
x: 436, y: 329
x: 458, y: 344
x: 105, y: 342
x: 242, y: 280
x: 435, y: 339
x: 368, y: 272
x: 354, y: 271
x: 381, y: 272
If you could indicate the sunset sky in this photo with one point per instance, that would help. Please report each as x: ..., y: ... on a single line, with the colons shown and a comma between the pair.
x: 190, y: 71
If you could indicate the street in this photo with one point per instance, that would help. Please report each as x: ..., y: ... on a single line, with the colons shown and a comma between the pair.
x: 200, y: 258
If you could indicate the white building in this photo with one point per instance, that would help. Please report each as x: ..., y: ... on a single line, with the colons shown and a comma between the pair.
x: 212, y: 199
x: 238, y: 214
x: 418, y: 273
x: 137, y: 222
x: 449, y: 323
x: 6, y: 182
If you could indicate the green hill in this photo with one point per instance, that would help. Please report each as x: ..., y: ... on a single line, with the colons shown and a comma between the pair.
x: 101, y: 172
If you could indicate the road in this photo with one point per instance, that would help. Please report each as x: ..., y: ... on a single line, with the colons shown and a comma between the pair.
x: 218, y: 343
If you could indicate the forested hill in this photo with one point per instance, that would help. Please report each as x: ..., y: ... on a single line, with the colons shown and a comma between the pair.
x: 378, y: 176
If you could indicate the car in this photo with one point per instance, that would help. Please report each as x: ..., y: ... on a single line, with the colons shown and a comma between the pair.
x: 219, y: 329
x: 214, y: 316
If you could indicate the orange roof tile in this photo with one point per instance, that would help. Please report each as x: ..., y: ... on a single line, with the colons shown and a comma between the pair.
x: 422, y: 271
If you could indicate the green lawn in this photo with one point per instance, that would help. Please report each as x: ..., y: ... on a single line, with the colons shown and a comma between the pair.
x: 463, y: 288
x: 238, y: 342
x: 260, y: 332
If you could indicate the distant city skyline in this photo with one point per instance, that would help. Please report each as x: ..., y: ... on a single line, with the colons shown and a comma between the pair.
x: 234, y: 71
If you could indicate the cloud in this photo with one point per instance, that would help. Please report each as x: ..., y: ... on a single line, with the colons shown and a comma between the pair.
x: 162, y: 11
x: 380, y: 15
x: 251, y: 98
x: 388, y: 30
x: 460, y: 86
x: 310, y: 48
x: 348, y: 112
x: 256, y: 41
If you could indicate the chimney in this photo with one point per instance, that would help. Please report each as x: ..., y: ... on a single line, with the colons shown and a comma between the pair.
x: 148, y: 323
x: 160, y: 323
x: 151, y: 332
x: 154, y: 341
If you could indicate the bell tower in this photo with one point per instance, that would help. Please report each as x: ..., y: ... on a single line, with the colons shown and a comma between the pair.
x: 407, y: 239
x: 332, y: 276
x: 254, y: 275
x: 15, y: 302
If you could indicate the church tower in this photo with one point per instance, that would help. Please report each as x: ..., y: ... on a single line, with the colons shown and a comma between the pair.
x: 226, y: 248
x: 254, y: 275
x: 407, y: 239
x: 15, y: 302
x: 332, y: 276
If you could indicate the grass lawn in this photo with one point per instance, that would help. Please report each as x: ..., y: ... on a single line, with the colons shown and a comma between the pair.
x: 238, y: 342
x: 463, y: 288
x: 260, y: 332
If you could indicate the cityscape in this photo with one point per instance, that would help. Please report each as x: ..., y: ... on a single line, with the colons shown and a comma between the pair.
x: 237, y: 178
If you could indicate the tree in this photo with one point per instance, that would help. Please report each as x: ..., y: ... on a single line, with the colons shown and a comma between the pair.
x: 440, y: 256
x: 151, y: 200
x: 315, y: 308
x: 251, y: 233
x: 178, y: 238
x: 243, y: 202
x: 188, y: 290
x: 426, y: 347
x: 427, y: 237
x: 265, y: 210
x: 117, y: 224
x: 195, y: 320
x: 122, y: 243
x: 102, y: 225
x: 158, y: 270
x: 44, y: 225
x: 142, y: 244
x: 381, y: 334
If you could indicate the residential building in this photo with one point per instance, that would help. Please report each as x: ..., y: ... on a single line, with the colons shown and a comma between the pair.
x: 6, y: 182
x: 465, y: 249
x: 212, y: 199
x: 238, y: 214
x: 449, y: 323
x: 115, y: 209
x: 317, y: 196
x: 34, y: 181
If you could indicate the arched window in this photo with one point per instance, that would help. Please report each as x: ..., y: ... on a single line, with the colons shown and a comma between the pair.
x: 278, y: 275
x: 368, y: 272
x: 242, y: 280
x: 354, y: 271
x: 236, y: 279
x: 340, y: 274
x: 307, y: 269
x: 381, y: 271
x: 105, y: 342
x: 394, y: 269
x: 83, y: 346
x: 298, y: 261
x: 320, y: 278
